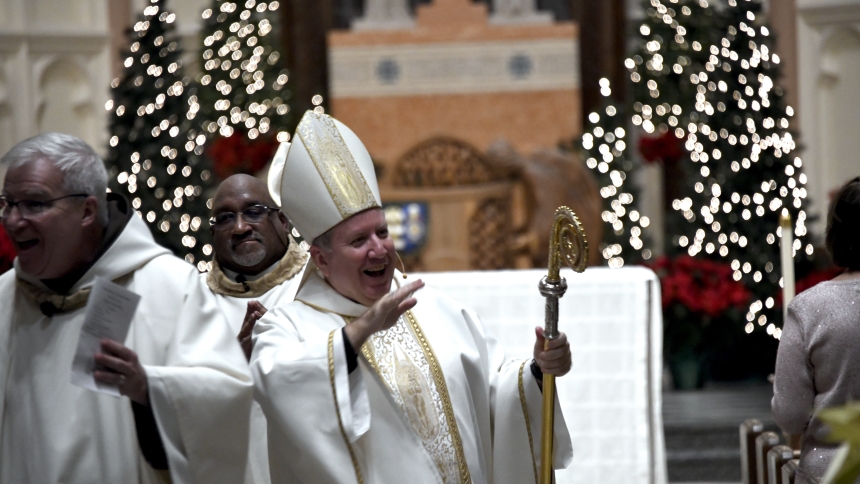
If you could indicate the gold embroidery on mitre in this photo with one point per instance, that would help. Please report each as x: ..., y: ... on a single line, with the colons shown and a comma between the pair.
x: 402, y: 357
x: 338, y: 169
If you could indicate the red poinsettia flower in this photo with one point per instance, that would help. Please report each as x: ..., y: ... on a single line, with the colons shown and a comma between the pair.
x: 666, y: 148
x: 702, y: 286
x: 239, y: 154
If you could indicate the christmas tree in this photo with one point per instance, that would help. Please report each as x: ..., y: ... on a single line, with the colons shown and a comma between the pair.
x: 155, y: 152
x: 605, y: 146
x: 243, y: 86
x: 669, y: 46
x: 720, y: 99
x: 748, y: 170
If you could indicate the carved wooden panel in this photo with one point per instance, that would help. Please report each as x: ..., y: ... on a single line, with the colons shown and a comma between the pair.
x: 444, y: 162
x: 490, y: 235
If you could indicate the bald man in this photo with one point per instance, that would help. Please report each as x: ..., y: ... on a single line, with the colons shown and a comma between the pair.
x: 256, y: 264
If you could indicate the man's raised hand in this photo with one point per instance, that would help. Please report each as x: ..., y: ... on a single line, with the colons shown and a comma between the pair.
x: 383, y: 314
x: 254, y: 312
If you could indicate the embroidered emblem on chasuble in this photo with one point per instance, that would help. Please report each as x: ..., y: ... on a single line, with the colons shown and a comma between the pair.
x: 404, y: 360
x: 339, y: 172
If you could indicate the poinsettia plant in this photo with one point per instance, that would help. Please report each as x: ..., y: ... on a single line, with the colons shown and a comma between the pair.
x: 703, y: 306
x: 239, y: 154
x: 7, y: 251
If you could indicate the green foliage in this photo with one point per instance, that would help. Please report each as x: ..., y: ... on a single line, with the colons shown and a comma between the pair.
x: 844, y: 425
x: 155, y: 153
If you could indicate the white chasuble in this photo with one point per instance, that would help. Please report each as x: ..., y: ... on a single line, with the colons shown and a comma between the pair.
x: 433, y: 399
x: 199, y: 386
x: 234, y: 309
x: 413, y: 377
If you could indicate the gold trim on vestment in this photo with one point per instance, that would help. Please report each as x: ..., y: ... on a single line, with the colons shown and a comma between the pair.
x: 528, y: 421
x: 337, y: 167
x: 337, y: 407
x: 60, y: 303
x: 405, y: 367
x: 290, y: 264
x: 442, y: 388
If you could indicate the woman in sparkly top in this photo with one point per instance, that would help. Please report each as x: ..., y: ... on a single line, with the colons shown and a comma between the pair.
x: 818, y: 363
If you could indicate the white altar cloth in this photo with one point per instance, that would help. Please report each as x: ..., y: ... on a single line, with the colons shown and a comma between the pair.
x: 611, y: 399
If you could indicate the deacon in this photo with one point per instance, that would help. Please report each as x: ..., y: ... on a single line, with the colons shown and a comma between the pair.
x: 186, y: 386
x: 366, y: 379
x: 256, y: 264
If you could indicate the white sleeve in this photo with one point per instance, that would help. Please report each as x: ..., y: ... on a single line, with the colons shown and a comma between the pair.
x: 201, y: 396
x: 517, y: 412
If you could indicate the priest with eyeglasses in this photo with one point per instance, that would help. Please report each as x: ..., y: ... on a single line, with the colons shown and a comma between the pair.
x: 185, y: 385
x: 256, y: 265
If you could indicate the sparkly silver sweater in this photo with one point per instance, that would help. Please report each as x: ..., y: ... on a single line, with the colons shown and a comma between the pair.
x: 817, y: 366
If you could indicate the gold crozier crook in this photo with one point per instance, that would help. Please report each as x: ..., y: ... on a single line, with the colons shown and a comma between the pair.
x: 566, y: 242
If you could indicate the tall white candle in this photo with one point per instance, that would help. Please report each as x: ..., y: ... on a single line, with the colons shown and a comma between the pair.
x: 787, y: 260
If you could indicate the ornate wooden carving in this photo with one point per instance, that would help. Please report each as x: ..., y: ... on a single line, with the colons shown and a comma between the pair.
x: 444, y: 162
x: 490, y: 236
x: 553, y: 178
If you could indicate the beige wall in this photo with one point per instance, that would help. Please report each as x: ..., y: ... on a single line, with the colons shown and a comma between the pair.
x: 529, y: 121
x: 457, y: 71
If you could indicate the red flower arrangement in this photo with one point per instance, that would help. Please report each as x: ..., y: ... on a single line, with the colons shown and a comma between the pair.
x: 7, y: 251
x: 703, y: 308
x: 238, y: 154
x: 702, y: 286
x: 666, y: 148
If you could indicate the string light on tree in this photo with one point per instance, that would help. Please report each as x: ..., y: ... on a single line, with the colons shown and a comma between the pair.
x: 243, y: 86
x: 720, y: 98
x: 154, y: 154
x: 745, y: 152
x: 605, y: 144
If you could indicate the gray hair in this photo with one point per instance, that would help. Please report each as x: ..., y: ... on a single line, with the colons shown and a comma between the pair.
x: 83, y: 170
x: 323, y: 241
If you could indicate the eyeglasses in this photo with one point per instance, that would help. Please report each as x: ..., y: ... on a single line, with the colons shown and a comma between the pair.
x: 252, y: 215
x: 30, y: 208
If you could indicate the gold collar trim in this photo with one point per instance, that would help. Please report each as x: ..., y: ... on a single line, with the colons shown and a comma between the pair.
x: 284, y: 270
x: 51, y: 303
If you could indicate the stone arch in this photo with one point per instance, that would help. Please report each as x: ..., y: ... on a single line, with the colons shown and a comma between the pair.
x: 66, y: 101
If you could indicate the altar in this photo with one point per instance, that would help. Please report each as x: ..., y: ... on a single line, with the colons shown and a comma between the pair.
x: 612, y: 397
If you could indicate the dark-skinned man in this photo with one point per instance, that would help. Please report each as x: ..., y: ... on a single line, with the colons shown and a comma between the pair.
x: 185, y: 382
x: 256, y: 263
x: 369, y: 378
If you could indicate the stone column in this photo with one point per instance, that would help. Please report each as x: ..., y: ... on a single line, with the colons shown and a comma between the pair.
x: 304, y: 26
x: 384, y: 15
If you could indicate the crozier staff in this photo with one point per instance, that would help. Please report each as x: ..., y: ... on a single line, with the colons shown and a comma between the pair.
x: 187, y: 383
x: 365, y: 378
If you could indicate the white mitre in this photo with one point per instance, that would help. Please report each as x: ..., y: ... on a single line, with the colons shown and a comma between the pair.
x: 323, y: 177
